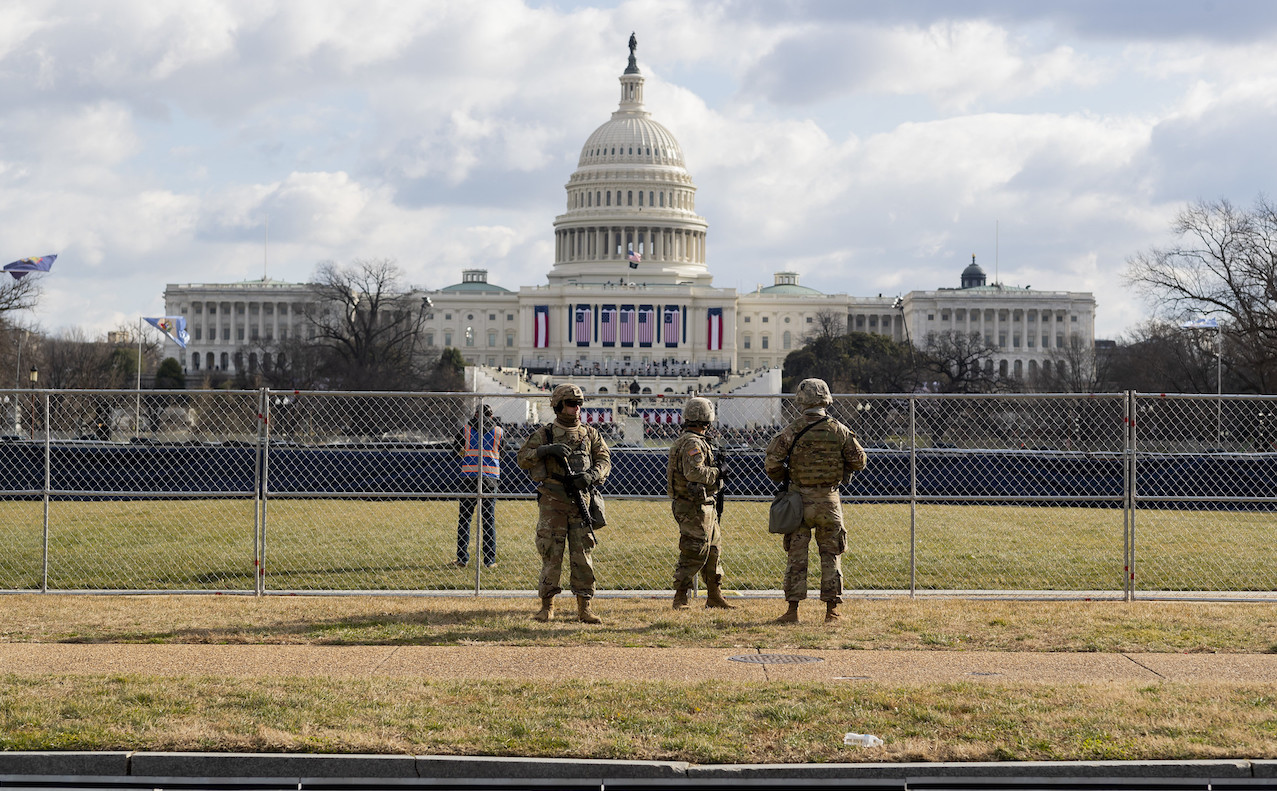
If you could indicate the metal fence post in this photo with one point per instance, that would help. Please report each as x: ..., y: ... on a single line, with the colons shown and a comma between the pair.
x: 44, y: 577
x: 1132, y: 471
x: 913, y: 495
x: 261, y: 478
x: 477, y: 553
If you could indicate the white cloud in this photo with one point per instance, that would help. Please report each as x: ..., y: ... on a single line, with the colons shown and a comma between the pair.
x: 955, y: 64
x: 873, y: 149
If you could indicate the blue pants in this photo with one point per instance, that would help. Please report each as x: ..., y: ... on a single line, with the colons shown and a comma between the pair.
x: 488, y: 518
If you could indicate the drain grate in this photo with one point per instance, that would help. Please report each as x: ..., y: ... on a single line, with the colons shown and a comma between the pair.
x: 775, y: 659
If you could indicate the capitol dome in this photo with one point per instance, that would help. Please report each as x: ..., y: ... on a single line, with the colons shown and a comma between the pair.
x: 631, y: 203
x: 631, y: 139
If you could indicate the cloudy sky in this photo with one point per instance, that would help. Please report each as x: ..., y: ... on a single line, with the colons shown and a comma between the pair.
x: 873, y: 147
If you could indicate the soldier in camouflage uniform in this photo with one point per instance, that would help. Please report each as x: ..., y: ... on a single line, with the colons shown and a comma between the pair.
x: 693, y: 480
x: 823, y: 460
x: 575, y: 451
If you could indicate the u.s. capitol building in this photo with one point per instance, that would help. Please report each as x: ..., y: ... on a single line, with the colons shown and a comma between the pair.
x: 630, y: 293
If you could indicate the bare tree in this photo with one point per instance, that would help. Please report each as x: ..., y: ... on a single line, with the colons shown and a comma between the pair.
x: 73, y: 362
x: 365, y: 323
x: 961, y: 362
x: 1224, y: 264
x: 829, y: 325
x: 1160, y: 357
x: 1075, y: 368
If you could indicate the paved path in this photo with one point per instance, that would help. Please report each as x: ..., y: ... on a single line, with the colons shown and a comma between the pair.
x: 633, y: 664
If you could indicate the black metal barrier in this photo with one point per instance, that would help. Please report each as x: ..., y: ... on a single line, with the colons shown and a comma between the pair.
x: 90, y: 470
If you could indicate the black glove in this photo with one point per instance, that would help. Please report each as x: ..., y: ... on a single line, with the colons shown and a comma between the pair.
x: 558, y: 450
x: 581, y: 481
x: 720, y: 461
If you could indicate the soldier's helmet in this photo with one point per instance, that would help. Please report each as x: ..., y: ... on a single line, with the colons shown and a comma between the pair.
x: 698, y: 410
x: 812, y: 393
x: 563, y: 393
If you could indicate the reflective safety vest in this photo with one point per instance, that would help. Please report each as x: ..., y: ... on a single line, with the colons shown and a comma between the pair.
x: 489, y: 454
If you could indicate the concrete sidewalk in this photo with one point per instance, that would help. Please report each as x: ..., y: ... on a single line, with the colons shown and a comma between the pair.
x: 633, y: 664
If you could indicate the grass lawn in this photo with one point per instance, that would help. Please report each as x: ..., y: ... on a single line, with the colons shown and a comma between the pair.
x: 699, y: 722
x: 379, y: 545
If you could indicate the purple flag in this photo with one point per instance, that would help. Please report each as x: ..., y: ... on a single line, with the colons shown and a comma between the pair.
x: 20, y: 269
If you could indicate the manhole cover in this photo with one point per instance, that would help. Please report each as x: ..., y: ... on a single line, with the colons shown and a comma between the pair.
x: 775, y: 659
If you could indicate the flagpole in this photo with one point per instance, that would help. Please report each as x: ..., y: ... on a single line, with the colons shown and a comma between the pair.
x: 137, y: 401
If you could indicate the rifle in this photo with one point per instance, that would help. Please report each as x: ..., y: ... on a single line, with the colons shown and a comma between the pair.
x: 720, y: 456
x: 578, y: 499
x: 571, y: 489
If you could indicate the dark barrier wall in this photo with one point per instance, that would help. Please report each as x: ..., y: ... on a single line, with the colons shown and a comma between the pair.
x: 231, y: 469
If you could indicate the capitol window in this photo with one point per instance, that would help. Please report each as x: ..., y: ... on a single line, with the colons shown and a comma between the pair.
x: 662, y: 200
x: 609, y: 198
x: 629, y: 198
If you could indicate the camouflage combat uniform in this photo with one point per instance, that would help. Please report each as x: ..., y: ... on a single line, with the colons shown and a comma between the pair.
x: 824, y: 459
x: 559, y: 520
x: 692, y: 481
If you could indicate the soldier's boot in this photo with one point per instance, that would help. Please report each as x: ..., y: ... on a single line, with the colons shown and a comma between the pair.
x: 831, y: 612
x: 714, y: 598
x: 791, y: 615
x: 546, y: 613
x: 680, y: 598
x: 584, y: 612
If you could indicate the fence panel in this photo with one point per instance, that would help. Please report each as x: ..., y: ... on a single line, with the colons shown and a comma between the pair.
x: 1206, y: 496
x: 364, y: 492
x: 152, y: 491
x: 1020, y: 494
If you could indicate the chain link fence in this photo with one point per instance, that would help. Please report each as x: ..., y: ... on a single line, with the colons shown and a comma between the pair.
x: 1066, y: 496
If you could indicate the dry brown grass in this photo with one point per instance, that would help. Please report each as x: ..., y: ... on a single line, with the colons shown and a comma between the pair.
x: 703, y: 723
x: 868, y: 624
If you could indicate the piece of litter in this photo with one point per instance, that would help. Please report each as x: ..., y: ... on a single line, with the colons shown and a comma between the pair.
x: 861, y: 740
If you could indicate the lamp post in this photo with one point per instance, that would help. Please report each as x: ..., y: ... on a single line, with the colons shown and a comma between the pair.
x: 33, y: 377
x: 899, y: 305
x: 1213, y: 324
x: 425, y: 312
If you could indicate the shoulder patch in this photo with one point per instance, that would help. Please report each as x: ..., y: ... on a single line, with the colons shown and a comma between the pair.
x: 694, y: 451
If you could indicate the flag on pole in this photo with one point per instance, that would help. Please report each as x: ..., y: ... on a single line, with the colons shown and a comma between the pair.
x: 172, y: 326
x: 634, y: 258
x: 715, y: 329
x: 541, y: 326
x: 20, y: 269
x: 1200, y: 324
